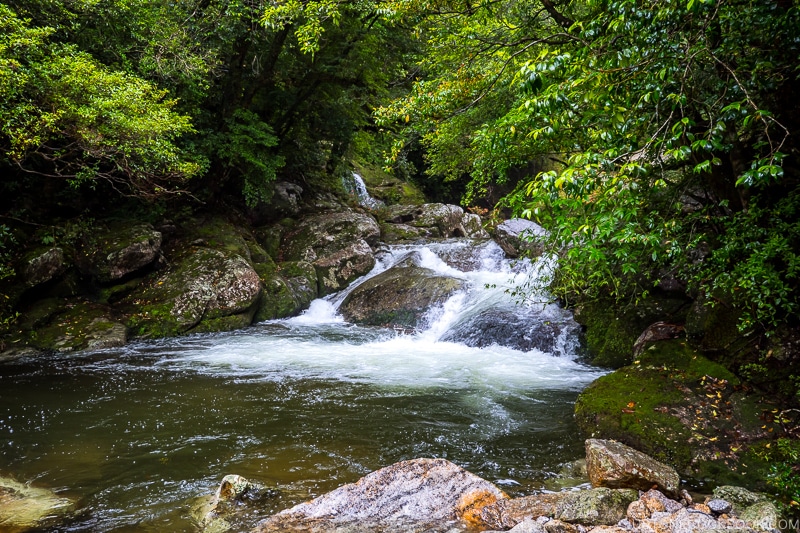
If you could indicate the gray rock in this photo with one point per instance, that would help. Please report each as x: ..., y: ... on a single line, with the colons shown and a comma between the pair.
x: 400, y: 296
x: 739, y: 497
x: 105, y: 333
x: 286, y: 198
x: 339, y: 245
x: 473, y: 227
x: 690, y: 521
x: 719, y: 506
x: 595, y: 507
x: 612, y: 464
x: 42, y: 265
x: 24, y: 508
x: 408, y: 496
x: 521, y: 329
x: 435, y: 221
x: 519, y: 236
x: 118, y: 252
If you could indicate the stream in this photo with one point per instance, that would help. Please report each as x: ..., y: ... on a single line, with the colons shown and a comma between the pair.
x: 137, y: 434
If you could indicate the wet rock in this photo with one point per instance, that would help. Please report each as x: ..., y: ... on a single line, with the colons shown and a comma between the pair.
x: 599, y: 506
x: 658, y: 331
x: 408, y: 496
x: 207, y: 290
x: 506, y: 514
x: 117, y: 252
x: 473, y: 227
x: 286, y: 198
x: 105, y: 333
x: 739, y: 497
x: 400, y: 296
x: 337, y: 244
x: 234, y: 497
x: 25, y: 508
x: 518, y: 236
x: 42, y: 265
x: 522, y: 329
x: 613, y: 464
x: 288, y: 288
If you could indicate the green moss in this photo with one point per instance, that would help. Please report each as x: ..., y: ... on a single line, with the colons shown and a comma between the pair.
x: 386, y: 187
x: 683, y: 409
x: 224, y: 323
x: 609, y: 336
x: 222, y: 235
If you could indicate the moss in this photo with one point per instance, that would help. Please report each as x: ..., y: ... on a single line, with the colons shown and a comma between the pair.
x: 222, y: 235
x: 684, y: 410
x: 64, y: 325
x: 386, y: 187
x: 224, y: 323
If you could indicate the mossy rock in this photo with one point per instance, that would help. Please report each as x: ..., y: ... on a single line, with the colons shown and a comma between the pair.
x: 220, y: 234
x: 279, y: 299
x: 684, y: 410
x: 386, y: 187
x: 201, y: 285
x: 118, y: 250
x: 67, y: 325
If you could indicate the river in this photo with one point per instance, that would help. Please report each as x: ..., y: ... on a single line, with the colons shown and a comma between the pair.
x: 137, y: 434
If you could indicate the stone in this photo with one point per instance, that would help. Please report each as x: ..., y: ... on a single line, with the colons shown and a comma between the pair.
x: 436, y: 221
x: 407, y: 496
x: 234, y: 497
x: 25, y: 508
x: 637, y: 511
x: 612, y: 464
x: 399, y: 296
x: 656, y: 502
x: 207, y: 290
x: 286, y: 197
x: 559, y: 526
x: 719, y: 506
x: 518, y: 236
x: 105, y: 333
x: 120, y: 251
x: 598, y: 506
x: 473, y: 227
x: 738, y: 497
x: 691, y: 521
x: 42, y: 265
x: 506, y: 514
x: 762, y: 516
x: 338, y: 245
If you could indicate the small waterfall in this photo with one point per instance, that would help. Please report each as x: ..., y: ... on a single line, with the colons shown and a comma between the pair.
x: 355, y: 186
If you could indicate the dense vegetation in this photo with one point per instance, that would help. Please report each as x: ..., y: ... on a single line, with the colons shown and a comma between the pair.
x: 657, y: 141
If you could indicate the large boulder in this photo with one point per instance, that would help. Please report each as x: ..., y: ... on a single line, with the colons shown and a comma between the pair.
x: 399, y: 296
x: 595, y: 507
x: 407, y: 496
x: 26, y: 508
x: 206, y: 290
x: 612, y: 464
x: 117, y: 252
x: 338, y: 245
x: 519, y: 236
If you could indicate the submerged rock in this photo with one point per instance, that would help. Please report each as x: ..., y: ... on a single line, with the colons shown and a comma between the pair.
x: 613, y: 464
x: 410, y: 496
x: 519, y: 236
x: 25, y: 508
x: 514, y: 329
x: 399, y: 296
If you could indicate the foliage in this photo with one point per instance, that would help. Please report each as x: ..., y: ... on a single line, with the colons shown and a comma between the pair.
x: 784, y: 474
x: 669, y: 123
x: 65, y: 115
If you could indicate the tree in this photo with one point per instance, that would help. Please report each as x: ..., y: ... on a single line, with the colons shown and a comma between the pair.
x: 66, y: 116
x: 671, y: 126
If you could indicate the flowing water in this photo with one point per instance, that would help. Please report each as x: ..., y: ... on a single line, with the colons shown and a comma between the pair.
x: 136, y: 435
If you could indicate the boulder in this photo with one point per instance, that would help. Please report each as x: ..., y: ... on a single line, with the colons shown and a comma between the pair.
x: 762, y: 516
x: 505, y: 514
x: 519, y: 236
x: 26, y: 508
x: 407, y: 496
x: 595, y: 507
x: 120, y: 251
x: 288, y: 288
x: 235, y: 497
x: 612, y: 464
x: 42, y: 265
x: 430, y: 221
x: 286, y: 198
x: 338, y: 245
x: 399, y: 296
x: 206, y: 290
x: 739, y: 497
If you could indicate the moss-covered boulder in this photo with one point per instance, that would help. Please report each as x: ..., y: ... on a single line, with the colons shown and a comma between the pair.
x: 400, y: 296
x: 684, y: 410
x: 288, y: 289
x: 119, y: 250
x: 204, y: 290
x: 338, y: 245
